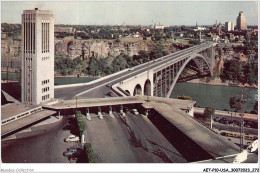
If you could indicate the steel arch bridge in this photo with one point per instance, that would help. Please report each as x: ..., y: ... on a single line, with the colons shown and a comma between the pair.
x: 160, y: 79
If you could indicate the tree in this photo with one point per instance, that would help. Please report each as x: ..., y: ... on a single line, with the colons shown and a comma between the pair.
x: 183, y: 97
x: 208, y: 112
x: 235, y: 104
x: 158, y: 52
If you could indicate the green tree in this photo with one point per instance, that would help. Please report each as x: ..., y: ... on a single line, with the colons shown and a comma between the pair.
x: 158, y: 52
x: 183, y: 97
x: 232, y: 71
x: 208, y: 112
x: 235, y: 103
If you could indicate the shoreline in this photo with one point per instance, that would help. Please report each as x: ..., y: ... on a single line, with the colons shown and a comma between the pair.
x: 228, y: 84
x: 73, y: 76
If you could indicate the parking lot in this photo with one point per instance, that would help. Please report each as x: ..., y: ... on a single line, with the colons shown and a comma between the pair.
x: 47, y: 147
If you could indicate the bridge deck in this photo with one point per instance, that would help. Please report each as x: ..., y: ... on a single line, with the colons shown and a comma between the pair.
x: 20, y: 123
x: 83, y: 103
x: 213, y: 143
x: 12, y: 109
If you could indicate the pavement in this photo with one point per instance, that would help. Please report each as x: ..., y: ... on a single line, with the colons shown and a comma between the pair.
x: 234, y: 128
x: 206, y: 139
x: 47, y: 147
x: 228, y: 114
x: 137, y: 141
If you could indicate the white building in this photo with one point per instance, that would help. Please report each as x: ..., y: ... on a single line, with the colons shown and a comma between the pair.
x: 37, y: 56
x: 229, y: 26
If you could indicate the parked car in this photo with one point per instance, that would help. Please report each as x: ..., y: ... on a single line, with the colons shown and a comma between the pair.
x: 216, y: 119
x: 72, y: 152
x: 134, y: 111
x: 250, y: 124
x: 72, y: 138
x: 130, y: 69
x: 68, y: 153
x: 236, y: 122
x: 224, y: 121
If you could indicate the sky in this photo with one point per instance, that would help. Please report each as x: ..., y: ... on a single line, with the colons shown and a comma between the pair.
x: 135, y: 13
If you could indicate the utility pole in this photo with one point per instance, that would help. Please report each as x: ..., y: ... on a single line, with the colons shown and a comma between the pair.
x: 148, y: 79
x: 242, y: 101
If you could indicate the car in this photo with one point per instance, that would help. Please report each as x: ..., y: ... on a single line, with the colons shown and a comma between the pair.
x: 216, y: 119
x: 236, y: 122
x: 134, y: 111
x: 109, y: 85
x: 68, y: 153
x: 72, y: 152
x: 130, y: 69
x: 224, y: 121
x: 72, y: 138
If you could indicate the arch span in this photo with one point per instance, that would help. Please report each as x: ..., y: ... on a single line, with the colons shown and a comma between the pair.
x: 192, y: 58
x: 137, y: 90
x: 147, y: 88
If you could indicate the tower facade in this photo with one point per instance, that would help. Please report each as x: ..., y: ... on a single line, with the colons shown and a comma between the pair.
x: 241, y: 21
x: 37, y: 56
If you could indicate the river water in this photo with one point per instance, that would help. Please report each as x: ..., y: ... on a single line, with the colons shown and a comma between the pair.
x: 204, y: 95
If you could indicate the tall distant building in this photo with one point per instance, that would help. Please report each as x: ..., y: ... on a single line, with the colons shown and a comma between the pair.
x: 232, y: 26
x: 241, y: 21
x: 37, y: 56
x: 229, y: 26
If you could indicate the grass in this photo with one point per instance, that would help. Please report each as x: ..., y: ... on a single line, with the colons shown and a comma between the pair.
x: 90, y: 153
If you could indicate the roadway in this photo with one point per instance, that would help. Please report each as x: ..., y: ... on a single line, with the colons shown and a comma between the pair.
x: 99, y: 88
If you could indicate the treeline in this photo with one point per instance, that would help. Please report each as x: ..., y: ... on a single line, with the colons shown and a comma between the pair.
x: 237, y: 71
x: 104, y: 66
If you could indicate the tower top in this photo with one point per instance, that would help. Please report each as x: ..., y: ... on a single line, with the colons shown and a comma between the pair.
x: 36, y: 10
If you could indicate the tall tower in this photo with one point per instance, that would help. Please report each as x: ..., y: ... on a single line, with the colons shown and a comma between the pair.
x: 37, y: 56
x: 241, y: 21
x: 228, y: 26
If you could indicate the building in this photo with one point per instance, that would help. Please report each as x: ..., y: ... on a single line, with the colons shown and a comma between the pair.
x: 232, y: 26
x: 37, y: 56
x: 229, y: 26
x: 69, y: 30
x: 241, y: 21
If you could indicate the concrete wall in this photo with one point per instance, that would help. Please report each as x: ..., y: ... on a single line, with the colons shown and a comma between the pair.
x: 140, y: 79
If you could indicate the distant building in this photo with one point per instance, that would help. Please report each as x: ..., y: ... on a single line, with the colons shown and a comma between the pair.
x: 37, y: 56
x: 70, y: 30
x: 160, y: 26
x: 229, y: 26
x: 232, y: 26
x: 241, y: 21
x: 3, y: 35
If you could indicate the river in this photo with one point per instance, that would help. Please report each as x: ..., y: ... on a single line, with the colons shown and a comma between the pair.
x: 204, y: 95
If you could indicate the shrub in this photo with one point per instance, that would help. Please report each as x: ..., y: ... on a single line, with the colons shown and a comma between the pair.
x: 80, y: 121
x: 90, y: 153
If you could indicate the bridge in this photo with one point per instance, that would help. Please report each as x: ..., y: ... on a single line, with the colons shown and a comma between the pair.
x: 154, y: 78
